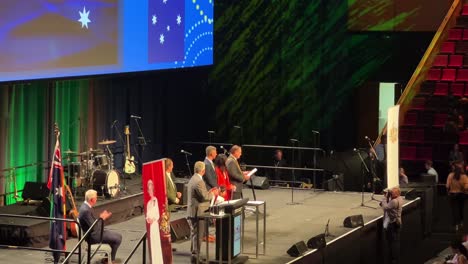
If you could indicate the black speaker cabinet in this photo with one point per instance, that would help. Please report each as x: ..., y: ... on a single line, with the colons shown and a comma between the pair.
x: 35, y: 191
x: 317, y: 242
x: 353, y: 221
x: 180, y: 229
x: 297, y: 249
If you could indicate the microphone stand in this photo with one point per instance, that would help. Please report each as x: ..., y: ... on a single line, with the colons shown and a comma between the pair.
x: 187, y: 163
x: 141, y: 141
x: 316, y: 145
x: 293, y: 175
x: 362, y: 180
x: 121, y: 140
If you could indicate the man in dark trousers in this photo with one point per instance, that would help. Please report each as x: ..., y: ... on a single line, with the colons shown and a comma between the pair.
x: 198, y: 202
x: 210, y: 177
x: 173, y: 196
x: 392, y: 205
x: 87, y: 218
x: 236, y: 176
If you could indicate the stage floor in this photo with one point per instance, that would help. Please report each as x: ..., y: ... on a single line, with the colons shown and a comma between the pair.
x: 286, y: 225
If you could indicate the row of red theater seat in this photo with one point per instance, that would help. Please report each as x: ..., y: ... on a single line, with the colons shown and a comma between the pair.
x: 449, y: 60
x: 420, y: 135
x: 451, y: 47
x: 434, y: 120
x: 444, y: 88
x: 448, y: 74
x: 456, y: 34
x: 415, y: 153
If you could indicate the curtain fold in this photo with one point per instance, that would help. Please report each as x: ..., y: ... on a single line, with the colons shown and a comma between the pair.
x: 25, y: 136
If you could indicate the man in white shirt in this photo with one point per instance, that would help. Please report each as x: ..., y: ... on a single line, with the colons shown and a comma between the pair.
x: 431, y: 170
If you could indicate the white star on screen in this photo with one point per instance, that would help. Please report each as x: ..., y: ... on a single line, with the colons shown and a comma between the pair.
x: 179, y: 19
x: 161, y: 38
x: 154, y: 19
x: 84, y: 18
x: 164, y: 1
x: 168, y: 28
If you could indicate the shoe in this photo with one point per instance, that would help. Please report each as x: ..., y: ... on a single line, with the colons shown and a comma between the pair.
x: 211, y: 238
x: 193, y: 259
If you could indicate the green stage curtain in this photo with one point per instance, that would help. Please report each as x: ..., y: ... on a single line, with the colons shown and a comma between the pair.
x: 26, y: 137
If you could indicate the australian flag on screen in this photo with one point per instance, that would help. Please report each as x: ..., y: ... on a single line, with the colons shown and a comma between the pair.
x: 166, y: 29
x: 56, y: 186
x: 50, y: 34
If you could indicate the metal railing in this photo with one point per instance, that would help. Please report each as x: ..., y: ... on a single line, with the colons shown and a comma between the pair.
x: 48, y: 219
x: 419, y: 76
x: 141, y: 241
x: 78, y: 245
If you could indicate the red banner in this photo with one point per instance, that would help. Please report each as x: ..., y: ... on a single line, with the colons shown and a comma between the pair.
x: 156, y: 214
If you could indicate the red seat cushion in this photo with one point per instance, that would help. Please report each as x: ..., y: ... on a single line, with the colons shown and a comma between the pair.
x: 448, y: 74
x: 455, y: 34
x: 456, y: 61
x: 439, y: 120
x: 462, y: 75
x: 411, y: 119
x: 433, y: 75
x: 448, y: 47
x: 424, y: 153
x: 441, y: 60
x: 441, y: 89
x: 463, y: 138
x: 457, y: 89
x: 465, y: 10
x: 407, y: 152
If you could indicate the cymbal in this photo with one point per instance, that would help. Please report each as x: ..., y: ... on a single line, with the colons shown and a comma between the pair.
x: 70, y: 152
x: 107, y: 142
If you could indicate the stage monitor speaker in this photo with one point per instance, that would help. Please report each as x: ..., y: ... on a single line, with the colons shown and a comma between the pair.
x: 317, y: 242
x: 297, y: 249
x: 353, y: 221
x: 259, y: 182
x: 180, y: 229
x: 35, y: 191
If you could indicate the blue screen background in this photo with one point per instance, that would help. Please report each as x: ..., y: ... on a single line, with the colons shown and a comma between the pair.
x: 45, y: 39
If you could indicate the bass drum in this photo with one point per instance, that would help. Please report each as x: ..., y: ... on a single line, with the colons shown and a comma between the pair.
x: 106, y: 182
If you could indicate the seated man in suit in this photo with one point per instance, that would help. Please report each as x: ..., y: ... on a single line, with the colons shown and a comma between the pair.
x: 173, y: 196
x: 198, y: 202
x: 87, y: 218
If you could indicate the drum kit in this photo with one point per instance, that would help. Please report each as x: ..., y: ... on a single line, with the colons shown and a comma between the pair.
x: 95, y: 170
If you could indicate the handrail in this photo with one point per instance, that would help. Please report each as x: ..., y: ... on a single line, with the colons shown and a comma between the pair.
x: 25, y: 166
x: 420, y: 74
x: 78, y: 245
x: 49, y: 219
x: 141, y: 240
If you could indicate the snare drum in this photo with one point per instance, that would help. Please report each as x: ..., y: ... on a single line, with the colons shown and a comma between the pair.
x: 101, y: 161
x: 106, y: 182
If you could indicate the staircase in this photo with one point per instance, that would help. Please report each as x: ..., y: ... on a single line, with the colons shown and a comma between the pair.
x: 435, y: 97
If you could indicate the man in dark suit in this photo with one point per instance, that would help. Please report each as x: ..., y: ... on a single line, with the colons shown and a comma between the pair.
x: 198, y: 202
x: 87, y: 218
x: 236, y: 176
x: 173, y: 196
x: 210, y: 178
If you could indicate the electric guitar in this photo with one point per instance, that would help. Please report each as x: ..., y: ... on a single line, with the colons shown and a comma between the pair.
x: 129, y: 164
x: 72, y: 214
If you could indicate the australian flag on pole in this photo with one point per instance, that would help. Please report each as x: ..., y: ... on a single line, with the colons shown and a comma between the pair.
x: 56, y: 186
x: 166, y: 29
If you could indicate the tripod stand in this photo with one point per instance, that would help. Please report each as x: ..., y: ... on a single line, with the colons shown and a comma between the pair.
x: 362, y: 179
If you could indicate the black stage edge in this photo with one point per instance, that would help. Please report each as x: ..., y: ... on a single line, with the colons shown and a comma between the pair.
x: 35, y: 233
x: 366, y: 244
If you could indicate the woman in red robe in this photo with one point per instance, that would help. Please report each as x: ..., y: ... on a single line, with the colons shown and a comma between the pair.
x: 223, y: 178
